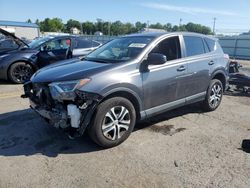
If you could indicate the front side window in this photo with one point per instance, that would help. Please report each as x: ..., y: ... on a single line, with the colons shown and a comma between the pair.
x: 169, y: 47
x: 57, y: 44
x: 194, y: 46
x: 121, y: 49
x: 38, y: 42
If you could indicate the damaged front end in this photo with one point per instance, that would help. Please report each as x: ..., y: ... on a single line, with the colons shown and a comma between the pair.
x: 63, y: 104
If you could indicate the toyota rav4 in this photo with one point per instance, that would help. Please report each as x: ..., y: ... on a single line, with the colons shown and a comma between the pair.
x: 128, y: 79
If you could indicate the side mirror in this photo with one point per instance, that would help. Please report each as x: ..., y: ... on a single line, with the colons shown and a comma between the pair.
x: 156, y: 59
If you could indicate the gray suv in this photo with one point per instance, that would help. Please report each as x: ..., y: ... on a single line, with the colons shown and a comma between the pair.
x: 129, y: 79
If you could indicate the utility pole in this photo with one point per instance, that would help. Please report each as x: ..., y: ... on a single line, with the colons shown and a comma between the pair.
x: 180, y: 23
x: 109, y: 28
x: 81, y: 28
x: 148, y: 25
x: 214, y: 26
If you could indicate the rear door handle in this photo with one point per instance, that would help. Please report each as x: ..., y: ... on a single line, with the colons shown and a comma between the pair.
x: 181, y: 68
x: 211, y: 62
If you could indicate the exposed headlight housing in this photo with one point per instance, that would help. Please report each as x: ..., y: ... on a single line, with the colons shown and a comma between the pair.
x: 66, y: 90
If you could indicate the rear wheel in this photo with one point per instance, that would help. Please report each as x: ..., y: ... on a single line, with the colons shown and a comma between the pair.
x: 20, y: 72
x: 113, y: 122
x: 214, y: 96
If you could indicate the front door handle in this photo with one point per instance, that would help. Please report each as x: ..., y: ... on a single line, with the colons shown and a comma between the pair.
x: 211, y: 62
x: 181, y: 68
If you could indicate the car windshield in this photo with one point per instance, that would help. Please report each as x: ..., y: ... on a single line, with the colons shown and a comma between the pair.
x: 119, y: 50
x: 37, y: 42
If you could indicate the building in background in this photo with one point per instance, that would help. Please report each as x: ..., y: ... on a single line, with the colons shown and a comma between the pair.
x: 22, y: 30
x: 75, y: 31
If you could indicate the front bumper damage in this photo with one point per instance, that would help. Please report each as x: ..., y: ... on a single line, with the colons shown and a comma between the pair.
x: 73, y: 115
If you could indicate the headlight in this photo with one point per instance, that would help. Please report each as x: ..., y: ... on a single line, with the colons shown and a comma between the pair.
x: 65, y: 90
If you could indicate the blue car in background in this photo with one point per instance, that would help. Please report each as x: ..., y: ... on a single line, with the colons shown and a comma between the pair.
x: 19, y: 60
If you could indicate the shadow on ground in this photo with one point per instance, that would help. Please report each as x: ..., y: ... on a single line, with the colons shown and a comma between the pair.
x: 150, y: 123
x: 245, y: 146
x: 25, y: 133
x: 237, y: 93
x: 5, y: 82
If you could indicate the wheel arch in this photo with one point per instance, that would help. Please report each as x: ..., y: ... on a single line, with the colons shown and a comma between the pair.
x: 23, y: 61
x: 133, y: 98
x: 220, y: 75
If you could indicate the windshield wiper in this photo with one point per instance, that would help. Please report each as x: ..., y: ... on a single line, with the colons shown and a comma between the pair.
x: 96, y: 60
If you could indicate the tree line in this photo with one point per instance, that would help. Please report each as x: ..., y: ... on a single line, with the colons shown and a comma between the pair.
x: 113, y: 28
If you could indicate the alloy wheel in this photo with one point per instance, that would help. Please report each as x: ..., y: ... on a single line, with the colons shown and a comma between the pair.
x: 215, y: 95
x: 116, y: 122
x: 22, y: 73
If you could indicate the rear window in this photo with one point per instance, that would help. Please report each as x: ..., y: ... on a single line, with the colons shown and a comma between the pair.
x: 194, y: 45
x: 211, y: 44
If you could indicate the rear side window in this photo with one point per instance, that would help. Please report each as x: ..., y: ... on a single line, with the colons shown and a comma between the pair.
x: 211, y: 44
x: 194, y: 45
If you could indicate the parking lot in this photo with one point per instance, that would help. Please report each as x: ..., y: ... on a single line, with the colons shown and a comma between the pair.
x: 180, y: 148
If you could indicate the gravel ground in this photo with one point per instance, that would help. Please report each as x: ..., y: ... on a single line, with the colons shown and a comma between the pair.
x: 180, y: 148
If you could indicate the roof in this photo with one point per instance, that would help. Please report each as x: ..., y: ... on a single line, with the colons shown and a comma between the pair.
x: 146, y: 34
x: 152, y: 30
x: 158, y: 34
x: 18, y: 24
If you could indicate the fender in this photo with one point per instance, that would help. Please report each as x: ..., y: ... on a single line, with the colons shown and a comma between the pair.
x: 219, y: 71
x: 125, y: 89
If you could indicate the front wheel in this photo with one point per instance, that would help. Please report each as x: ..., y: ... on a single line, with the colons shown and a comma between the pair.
x: 113, y: 122
x: 214, y: 96
x: 20, y: 72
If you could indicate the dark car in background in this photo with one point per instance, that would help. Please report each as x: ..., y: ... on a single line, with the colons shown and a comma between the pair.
x: 129, y: 79
x: 19, y: 60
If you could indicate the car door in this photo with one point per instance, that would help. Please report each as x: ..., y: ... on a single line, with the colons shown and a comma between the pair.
x: 54, y: 50
x: 163, y: 84
x: 83, y: 47
x: 197, y: 79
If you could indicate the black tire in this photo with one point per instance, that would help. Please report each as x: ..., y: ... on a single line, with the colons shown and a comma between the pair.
x: 101, y: 118
x: 207, y: 104
x: 20, y: 72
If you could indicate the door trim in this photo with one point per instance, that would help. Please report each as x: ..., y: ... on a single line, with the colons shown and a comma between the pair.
x: 172, y: 105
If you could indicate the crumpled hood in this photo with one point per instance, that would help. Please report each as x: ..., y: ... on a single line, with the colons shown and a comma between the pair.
x: 67, y: 70
x: 16, y: 39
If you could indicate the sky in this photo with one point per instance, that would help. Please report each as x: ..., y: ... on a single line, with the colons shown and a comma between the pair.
x: 231, y: 15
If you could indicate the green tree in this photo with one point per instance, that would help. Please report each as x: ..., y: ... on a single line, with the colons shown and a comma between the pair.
x: 88, y: 28
x: 168, y: 27
x: 198, y: 28
x: 51, y: 25
x: 71, y: 24
x: 29, y: 21
x: 156, y: 26
x: 139, y: 26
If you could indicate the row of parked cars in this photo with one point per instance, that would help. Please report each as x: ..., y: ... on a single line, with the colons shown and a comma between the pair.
x: 19, y: 60
x: 124, y: 81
